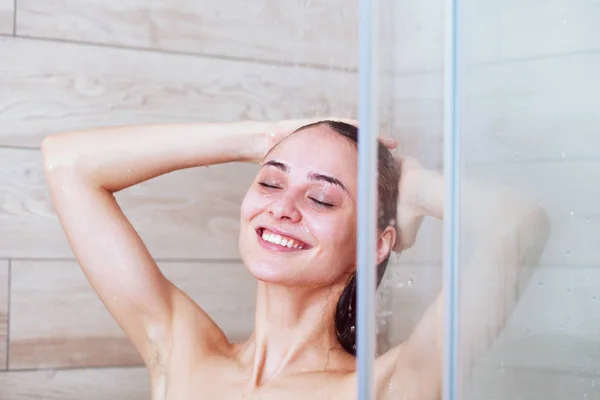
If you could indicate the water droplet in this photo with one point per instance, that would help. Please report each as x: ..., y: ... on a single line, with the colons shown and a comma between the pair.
x: 517, y: 158
x: 567, y: 254
x: 563, y: 155
x: 541, y: 284
x: 410, y: 282
x: 594, y: 298
x: 572, y: 213
x: 352, y: 329
x: 400, y: 284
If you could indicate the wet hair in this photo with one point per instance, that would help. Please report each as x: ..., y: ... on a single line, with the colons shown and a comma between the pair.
x: 388, y: 180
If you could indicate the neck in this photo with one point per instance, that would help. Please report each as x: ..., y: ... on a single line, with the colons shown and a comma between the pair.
x: 294, y: 332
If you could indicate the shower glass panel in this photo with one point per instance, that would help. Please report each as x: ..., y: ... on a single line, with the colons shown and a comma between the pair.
x: 411, y: 111
x: 528, y: 90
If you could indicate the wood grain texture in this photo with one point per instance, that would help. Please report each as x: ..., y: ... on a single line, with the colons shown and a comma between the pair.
x: 7, y: 14
x: 57, y: 320
x: 322, y: 33
x: 47, y: 87
x: 192, y: 213
x: 4, y: 276
x: 534, y: 110
x: 197, y: 211
x: 74, y: 384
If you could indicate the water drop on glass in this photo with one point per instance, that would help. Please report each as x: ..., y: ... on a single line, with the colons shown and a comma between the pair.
x: 410, y: 282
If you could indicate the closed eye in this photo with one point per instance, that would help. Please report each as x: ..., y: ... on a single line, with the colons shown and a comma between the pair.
x: 320, y: 203
x: 263, y: 184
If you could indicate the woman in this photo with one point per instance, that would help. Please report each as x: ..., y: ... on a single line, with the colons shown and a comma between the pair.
x: 297, y: 237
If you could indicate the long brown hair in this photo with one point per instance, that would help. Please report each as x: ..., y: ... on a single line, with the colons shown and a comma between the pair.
x: 388, y: 181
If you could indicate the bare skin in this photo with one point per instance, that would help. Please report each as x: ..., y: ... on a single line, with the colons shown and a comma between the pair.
x: 293, y: 351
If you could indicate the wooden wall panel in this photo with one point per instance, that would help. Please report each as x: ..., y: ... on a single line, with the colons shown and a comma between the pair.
x: 322, y: 33
x: 73, y: 384
x: 4, y: 300
x: 192, y: 213
x: 47, y: 87
x: 57, y: 320
x: 198, y: 210
x: 7, y: 13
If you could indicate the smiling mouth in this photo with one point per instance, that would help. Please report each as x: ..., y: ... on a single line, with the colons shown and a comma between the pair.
x: 276, y: 241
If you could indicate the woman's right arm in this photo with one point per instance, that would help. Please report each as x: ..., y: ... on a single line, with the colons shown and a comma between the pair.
x: 84, y: 169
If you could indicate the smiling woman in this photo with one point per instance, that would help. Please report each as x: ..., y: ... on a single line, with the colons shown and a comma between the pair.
x: 297, y: 238
x: 306, y: 195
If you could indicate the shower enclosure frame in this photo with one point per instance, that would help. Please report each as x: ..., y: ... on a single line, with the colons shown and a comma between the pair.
x: 368, y: 105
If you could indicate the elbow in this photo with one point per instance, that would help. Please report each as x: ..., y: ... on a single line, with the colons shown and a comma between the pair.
x: 533, y: 235
x: 58, y: 154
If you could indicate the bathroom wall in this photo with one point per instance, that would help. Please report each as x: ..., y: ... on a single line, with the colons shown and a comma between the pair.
x: 71, y: 65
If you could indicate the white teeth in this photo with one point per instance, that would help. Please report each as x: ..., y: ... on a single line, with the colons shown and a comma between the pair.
x: 277, y: 239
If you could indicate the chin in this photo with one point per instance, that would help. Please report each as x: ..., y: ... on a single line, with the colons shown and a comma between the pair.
x: 267, y: 272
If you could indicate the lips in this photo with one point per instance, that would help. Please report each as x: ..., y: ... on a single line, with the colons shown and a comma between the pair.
x: 279, y: 240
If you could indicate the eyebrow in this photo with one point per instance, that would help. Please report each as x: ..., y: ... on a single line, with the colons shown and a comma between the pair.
x: 312, y: 176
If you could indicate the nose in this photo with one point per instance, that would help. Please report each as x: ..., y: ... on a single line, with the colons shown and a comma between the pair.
x: 284, y: 208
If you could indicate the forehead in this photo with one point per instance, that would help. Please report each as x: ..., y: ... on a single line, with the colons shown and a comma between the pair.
x: 320, y: 150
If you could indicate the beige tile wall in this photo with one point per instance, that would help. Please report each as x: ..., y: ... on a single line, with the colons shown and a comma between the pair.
x: 4, y: 298
x: 530, y: 121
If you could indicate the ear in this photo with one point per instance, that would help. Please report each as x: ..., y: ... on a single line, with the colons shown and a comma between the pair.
x: 385, y: 243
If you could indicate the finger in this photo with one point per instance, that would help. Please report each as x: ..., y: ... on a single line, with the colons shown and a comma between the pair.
x: 388, y: 142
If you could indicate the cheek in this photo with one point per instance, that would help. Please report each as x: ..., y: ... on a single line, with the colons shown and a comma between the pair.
x: 338, y: 233
x: 252, y: 205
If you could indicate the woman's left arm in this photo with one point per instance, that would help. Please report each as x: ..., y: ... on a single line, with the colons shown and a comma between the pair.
x: 508, y: 230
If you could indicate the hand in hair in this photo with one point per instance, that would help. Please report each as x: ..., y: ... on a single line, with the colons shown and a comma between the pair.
x: 410, y: 213
x: 275, y: 132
